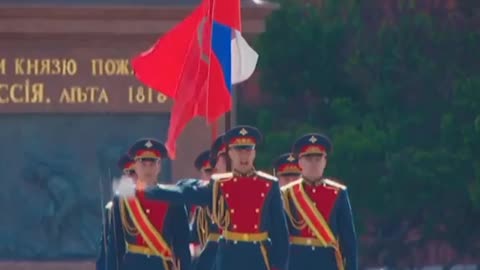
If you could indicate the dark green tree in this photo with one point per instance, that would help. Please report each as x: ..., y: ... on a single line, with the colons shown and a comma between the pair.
x: 399, y: 96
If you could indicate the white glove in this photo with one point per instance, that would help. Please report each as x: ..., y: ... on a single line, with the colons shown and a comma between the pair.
x: 195, y: 250
x: 124, y: 187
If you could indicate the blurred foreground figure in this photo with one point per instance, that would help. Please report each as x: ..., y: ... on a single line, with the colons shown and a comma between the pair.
x: 144, y: 234
x: 125, y: 164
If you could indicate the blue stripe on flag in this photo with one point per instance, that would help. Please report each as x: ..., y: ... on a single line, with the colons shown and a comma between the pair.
x: 221, y: 42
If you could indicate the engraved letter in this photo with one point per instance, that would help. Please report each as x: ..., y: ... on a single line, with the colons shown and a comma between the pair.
x: 149, y: 95
x: 19, y: 66
x: 69, y: 67
x: 45, y: 67
x: 5, y: 99
x: 110, y: 67
x: 161, y: 98
x: 103, y: 98
x: 3, y: 66
x: 16, y: 97
x: 130, y: 94
x: 56, y: 69
x: 32, y: 66
x: 66, y: 96
x: 92, y: 90
x: 81, y: 96
x: 96, y: 67
x: 36, y: 93
x: 122, y: 67
x: 140, y: 96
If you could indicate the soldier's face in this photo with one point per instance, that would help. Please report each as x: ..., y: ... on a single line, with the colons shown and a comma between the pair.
x: 205, y: 174
x: 285, y: 179
x: 147, y: 169
x: 242, y: 159
x: 131, y: 174
x: 221, y: 165
x: 313, y: 165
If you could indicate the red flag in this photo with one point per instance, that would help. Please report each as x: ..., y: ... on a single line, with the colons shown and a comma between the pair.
x: 228, y: 13
x: 183, y: 66
x: 161, y: 66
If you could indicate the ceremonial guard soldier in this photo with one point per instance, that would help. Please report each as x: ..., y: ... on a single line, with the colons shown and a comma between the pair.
x: 202, y: 164
x: 286, y: 168
x: 322, y: 233
x: 247, y: 206
x: 125, y: 164
x: 206, y: 232
x: 143, y: 233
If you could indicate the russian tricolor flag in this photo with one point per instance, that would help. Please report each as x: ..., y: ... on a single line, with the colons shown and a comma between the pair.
x: 237, y: 58
x: 197, y: 62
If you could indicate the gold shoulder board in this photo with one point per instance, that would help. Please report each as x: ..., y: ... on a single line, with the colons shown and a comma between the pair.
x: 291, y: 184
x: 220, y: 176
x: 267, y: 176
x: 334, y: 184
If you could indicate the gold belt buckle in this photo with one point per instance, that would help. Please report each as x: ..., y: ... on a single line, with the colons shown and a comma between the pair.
x: 245, y: 237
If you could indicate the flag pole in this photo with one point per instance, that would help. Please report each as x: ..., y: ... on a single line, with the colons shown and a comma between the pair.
x: 228, y: 115
x: 228, y: 119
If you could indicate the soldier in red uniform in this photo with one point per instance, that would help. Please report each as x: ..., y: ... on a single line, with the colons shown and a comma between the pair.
x: 286, y: 168
x: 322, y: 233
x: 206, y: 232
x: 246, y: 204
x: 143, y: 233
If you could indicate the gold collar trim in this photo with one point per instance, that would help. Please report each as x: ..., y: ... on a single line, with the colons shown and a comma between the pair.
x: 311, y: 182
x: 252, y: 172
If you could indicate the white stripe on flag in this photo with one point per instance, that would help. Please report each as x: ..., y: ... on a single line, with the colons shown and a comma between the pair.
x: 244, y: 58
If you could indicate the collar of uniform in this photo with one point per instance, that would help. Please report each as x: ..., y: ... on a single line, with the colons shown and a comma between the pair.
x: 252, y: 172
x: 310, y: 182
